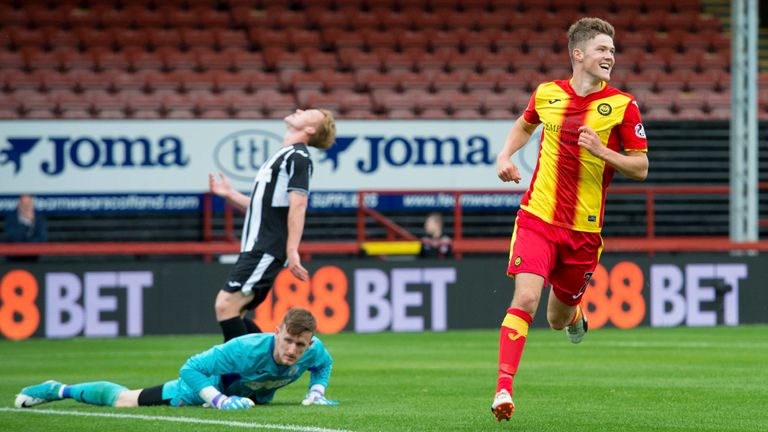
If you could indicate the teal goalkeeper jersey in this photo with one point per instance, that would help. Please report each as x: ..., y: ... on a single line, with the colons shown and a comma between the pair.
x: 249, y: 370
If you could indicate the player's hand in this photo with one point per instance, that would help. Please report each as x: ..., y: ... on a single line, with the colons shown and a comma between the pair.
x: 220, y: 188
x: 507, y: 171
x: 232, y: 403
x: 314, y: 397
x: 294, y: 265
x: 589, y: 140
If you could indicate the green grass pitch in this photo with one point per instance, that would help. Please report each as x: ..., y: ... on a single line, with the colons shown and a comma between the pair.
x: 678, y: 379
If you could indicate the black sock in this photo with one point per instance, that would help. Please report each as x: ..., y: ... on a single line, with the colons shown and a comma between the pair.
x: 251, y: 326
x: 233, y: 328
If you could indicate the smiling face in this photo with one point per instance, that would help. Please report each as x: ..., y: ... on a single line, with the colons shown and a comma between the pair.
x: 289, y: 348
x: 595, y: 57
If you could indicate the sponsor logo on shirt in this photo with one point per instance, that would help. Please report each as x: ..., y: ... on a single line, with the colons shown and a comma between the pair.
x: 604, y: 109
x: 640, y: 130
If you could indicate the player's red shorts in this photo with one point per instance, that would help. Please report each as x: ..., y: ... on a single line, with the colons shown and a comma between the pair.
x: 563, y: 257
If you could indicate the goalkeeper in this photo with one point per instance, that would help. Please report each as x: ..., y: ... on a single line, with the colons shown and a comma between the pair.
x: 245, y: 371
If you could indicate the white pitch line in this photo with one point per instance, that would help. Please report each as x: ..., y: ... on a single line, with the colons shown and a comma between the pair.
x: 175, y: 419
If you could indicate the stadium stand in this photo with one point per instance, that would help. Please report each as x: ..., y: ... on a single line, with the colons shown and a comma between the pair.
x: 438, y: 39
x: 374, y: 59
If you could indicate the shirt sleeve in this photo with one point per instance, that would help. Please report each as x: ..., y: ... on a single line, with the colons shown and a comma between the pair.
x: 530, y: 115
x: 299, y: 170
x: 631, y: 129
x: 219, y: 360
x: 320, y: 371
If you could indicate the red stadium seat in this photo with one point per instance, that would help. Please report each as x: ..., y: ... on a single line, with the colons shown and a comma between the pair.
x: 434, y: 61
x: 39, y: 15
x: 54, y: 80
x: 139, y: 59
x: 402, y: 114
x: 36, y: 58
x: 21, y: 37
x: 177, y: 17
x: 510, y: 40
x: 11, y: 60
x: 305, y: 81
x: 449, y: 80
x: 285, y: 62
x: 56, y: 38
x: 230, y: 81
x: 260, y: 81
x: 423, y: 20
x: 711, y: 80
x: 414, y: 81
x: 358, y: 60
x: 303, y: 95
x: 195, y: 38
x: 379, y: 39
x: 245, y: 60
x: 92, y: 38
x: 360, y: 19
x: 375, y: 80
x: 160, y: 37
x: 73, y: 103
x: 394, y: 61
x: 192, y: 81
x: 226, y: 38
x: 299, y: 38
x: 160, y: 82
x: 391, y: 19
x: 319, y: 60
x: 209, y: 17
x: 323, y: 18
x: 173, y: 59
x: 146, y: 18
x: 409, y: 39
x: 329, y: 101
x: 278, y: 105
x: 13, y: 16
x: 111, y: 18
x: 434, y: 114
x: 125, y: 37
x: 334, y: 80
x: 354, y: 102
x: 342, y: 39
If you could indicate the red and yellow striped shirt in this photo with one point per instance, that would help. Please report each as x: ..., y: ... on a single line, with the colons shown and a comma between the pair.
x: 569, y: 184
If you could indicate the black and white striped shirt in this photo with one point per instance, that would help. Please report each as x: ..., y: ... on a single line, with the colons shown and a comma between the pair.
x: 266, y: 222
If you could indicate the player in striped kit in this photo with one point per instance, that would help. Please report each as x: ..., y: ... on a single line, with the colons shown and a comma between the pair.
x: 274, y: 220
x: 590, y: 130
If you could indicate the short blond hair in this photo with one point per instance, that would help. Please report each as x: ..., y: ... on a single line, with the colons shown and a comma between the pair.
x: 325, y: 134
x: 586, y: 29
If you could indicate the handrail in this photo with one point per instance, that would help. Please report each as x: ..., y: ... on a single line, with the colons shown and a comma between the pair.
x: 228, y: 244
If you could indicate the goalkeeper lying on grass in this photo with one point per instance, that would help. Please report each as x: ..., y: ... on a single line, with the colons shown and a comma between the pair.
x: 243, y: 372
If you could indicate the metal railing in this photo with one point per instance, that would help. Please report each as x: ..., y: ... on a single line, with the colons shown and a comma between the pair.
x: 228, y: 242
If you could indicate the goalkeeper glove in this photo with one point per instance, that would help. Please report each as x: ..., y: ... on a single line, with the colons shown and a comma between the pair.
x: 316, y: 396
x: 223, y: 402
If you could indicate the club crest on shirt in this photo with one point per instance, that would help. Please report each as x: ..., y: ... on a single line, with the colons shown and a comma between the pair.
x: 640, y: 130
x: 518, y: 261
x: 604, y: 109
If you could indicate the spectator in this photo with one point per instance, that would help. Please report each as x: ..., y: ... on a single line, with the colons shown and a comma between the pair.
x: 435, y: 244
x: 26, y: 226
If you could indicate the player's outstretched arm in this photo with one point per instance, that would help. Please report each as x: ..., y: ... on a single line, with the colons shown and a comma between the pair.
x: 517, y: 137
x: 225, y: 190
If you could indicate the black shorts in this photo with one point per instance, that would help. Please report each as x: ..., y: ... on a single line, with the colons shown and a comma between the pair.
x: 253, y: 274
